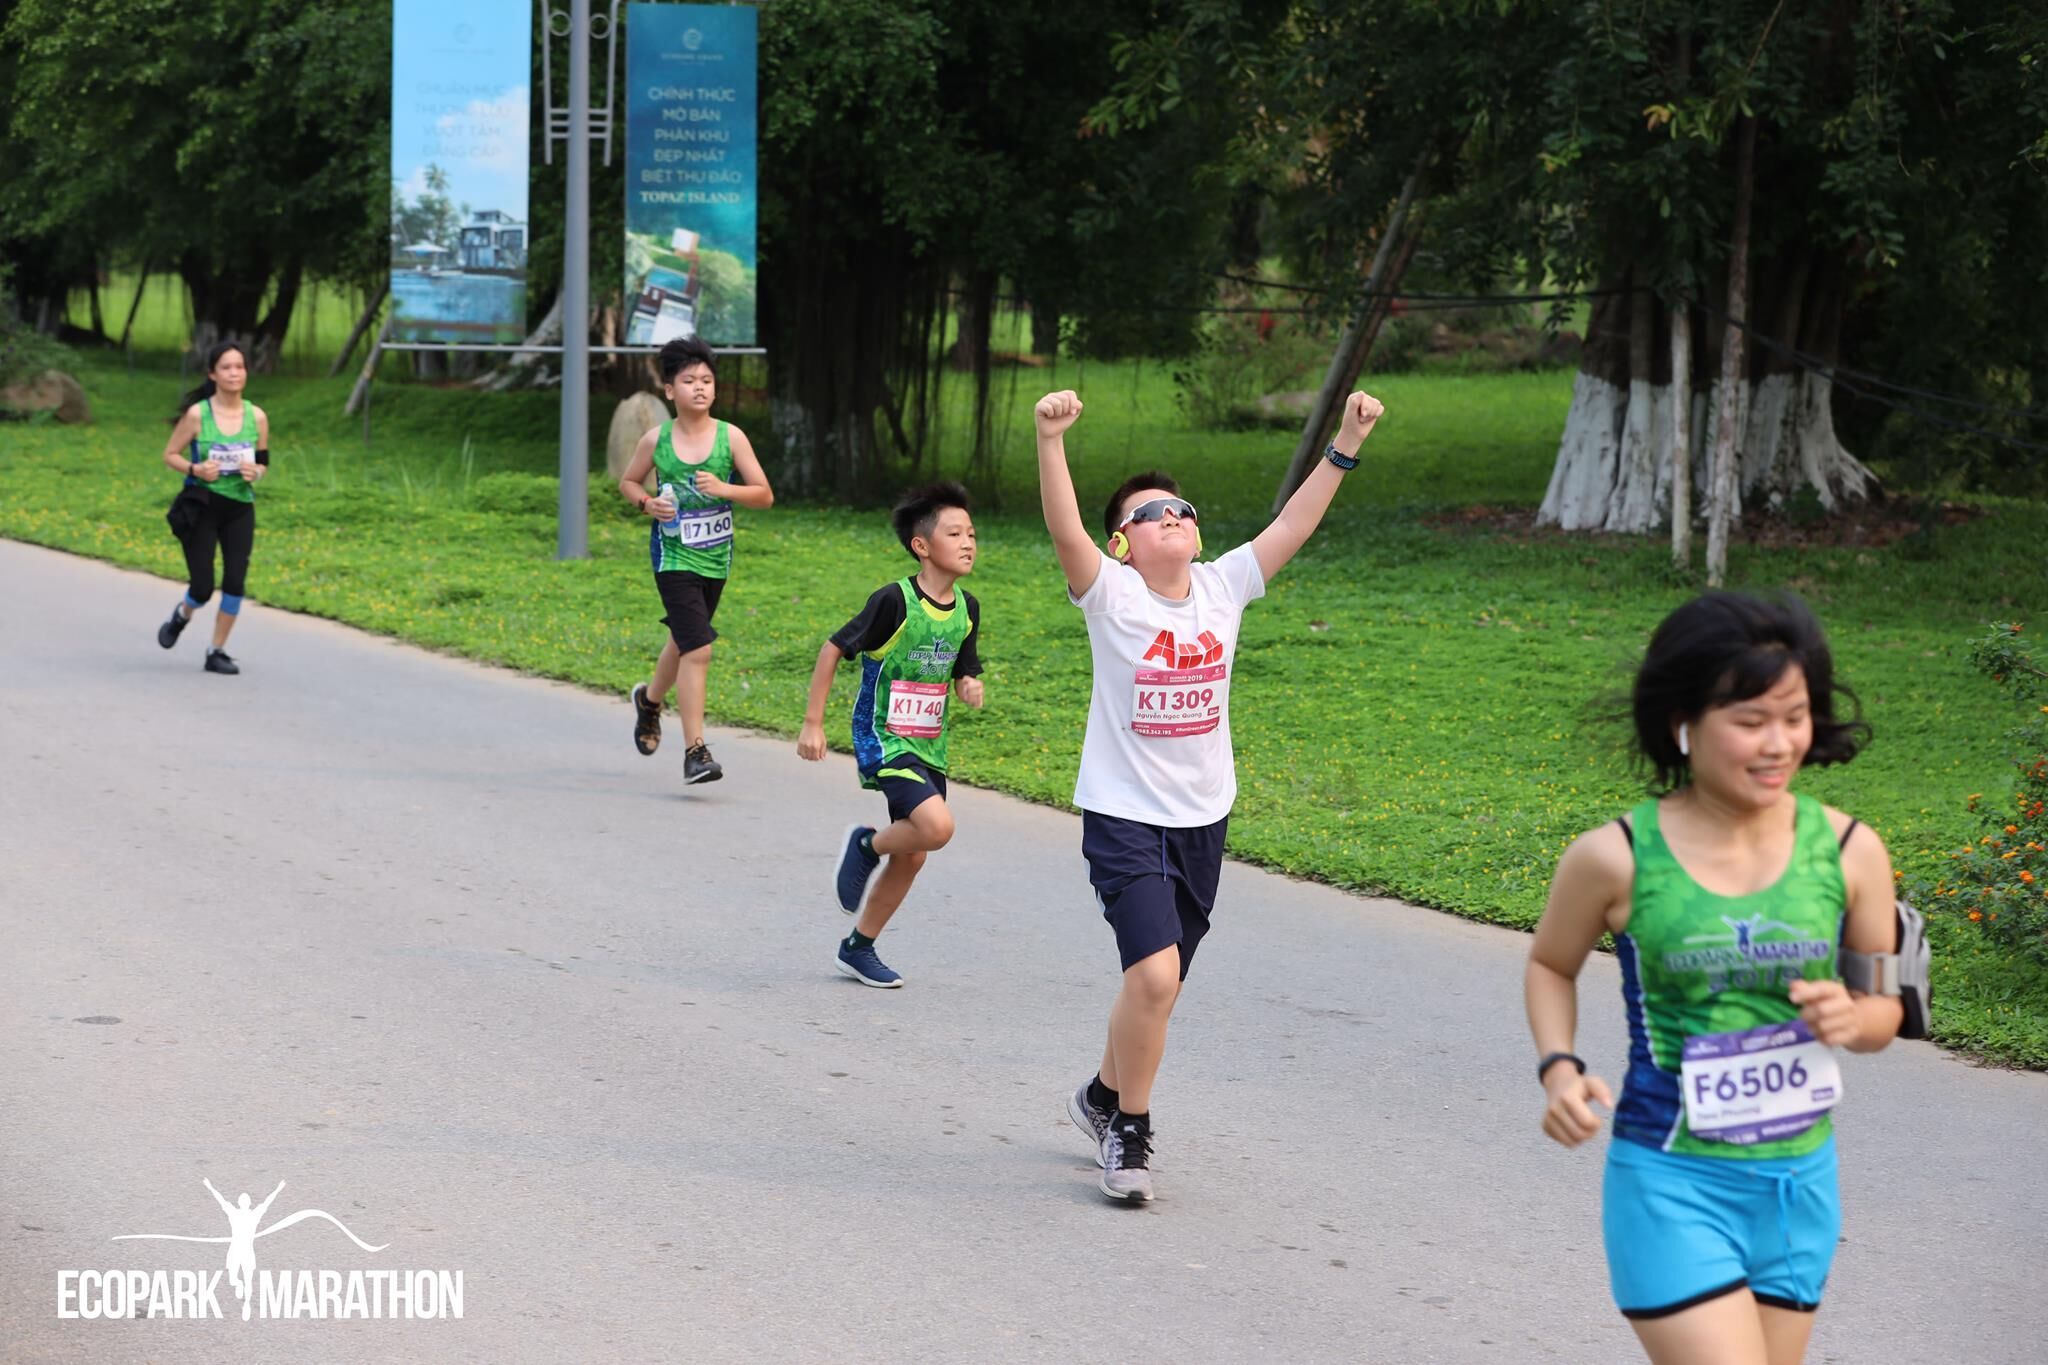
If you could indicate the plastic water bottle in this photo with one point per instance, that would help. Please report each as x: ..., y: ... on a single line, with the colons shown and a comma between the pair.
x: 674, y: 525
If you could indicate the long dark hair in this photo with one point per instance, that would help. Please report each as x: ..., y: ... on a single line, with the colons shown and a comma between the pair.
x: 1725, y: 647
x: 206, y: 389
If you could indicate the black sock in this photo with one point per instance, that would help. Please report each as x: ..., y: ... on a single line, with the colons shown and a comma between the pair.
x: 1141, y: 1122
x: 1101, y: 1096
x: 857, y: 941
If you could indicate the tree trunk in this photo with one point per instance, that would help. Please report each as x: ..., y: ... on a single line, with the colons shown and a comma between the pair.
x: 1722, y: 503
x: 1784, y: 434
x: 99, y: 321
x: 976, y: 313
x: 1389, y: 264
x: 369, y: 371
x: 270, y: 333
x: 225, y: 304
x: 1045, y: 329
x: 1680, y: 451
x: 519, y: 368
x: 355, y: 336
x: 128, y: 328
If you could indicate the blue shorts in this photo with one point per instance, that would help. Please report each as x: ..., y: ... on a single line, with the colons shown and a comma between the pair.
x: 907, y: 783
x: 1682, y: 1230
x: 1156, y: 884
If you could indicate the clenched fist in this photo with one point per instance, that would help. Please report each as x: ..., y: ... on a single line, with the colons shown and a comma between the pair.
x: 1361, y: 410
x: 1056, y: 412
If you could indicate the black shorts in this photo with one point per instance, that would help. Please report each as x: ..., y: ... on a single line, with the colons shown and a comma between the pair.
x: 1156, y: 884
x: 907, y: 783
x: 690, y: 601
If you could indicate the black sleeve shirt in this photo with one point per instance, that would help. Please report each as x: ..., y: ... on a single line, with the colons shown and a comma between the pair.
x: 883, y: 616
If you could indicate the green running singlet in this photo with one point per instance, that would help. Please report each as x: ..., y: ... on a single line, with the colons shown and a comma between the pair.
x: 1694, y: 962
x: 699, y: 540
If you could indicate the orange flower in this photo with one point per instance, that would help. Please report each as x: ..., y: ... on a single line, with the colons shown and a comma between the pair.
x: 1976, y: 915
x: 2027, y: 877
x: 2012, y: 829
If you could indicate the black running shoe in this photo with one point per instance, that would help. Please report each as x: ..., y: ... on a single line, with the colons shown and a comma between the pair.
x: 646, y: 722
x: 217, y: 661
x: 700, y: 766
x: 167, y: 634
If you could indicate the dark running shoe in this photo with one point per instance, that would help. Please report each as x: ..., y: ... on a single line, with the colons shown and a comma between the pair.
x: 856, y: 865
x: 167, y: 634
x: 647, y: 722
x: 700, y: 766
x: 1090, y: 1120
x: 863, y: 966
x: 217, y: 661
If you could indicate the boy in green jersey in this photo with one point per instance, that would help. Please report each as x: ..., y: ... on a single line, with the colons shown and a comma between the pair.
x: 702, y: 468
x: 914, y: 638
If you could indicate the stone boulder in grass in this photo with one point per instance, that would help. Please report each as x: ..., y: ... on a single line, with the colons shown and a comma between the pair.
x: 52, y: 391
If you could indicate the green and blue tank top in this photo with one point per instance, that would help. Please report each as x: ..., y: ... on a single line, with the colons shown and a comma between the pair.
x: 905, y: 685
x: 698, y: 539
x: 232, y: 451
x: 1696, y: 963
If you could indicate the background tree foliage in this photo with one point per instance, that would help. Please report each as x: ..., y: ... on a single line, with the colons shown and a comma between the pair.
x: 241, y: 145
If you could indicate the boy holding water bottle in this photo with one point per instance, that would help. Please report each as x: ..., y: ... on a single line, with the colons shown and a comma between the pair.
x: 703, y: 468
x: 917, y: 642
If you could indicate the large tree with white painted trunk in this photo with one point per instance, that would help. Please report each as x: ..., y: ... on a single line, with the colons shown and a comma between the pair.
x: 1838, y: 122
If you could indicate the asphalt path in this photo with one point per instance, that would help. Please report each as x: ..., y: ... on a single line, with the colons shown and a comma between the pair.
x: 430, y: 942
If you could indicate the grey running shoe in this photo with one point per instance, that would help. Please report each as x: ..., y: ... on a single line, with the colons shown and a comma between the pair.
x: 1127, y: 1161
x: 1090, y: 1120
x: 700, y: 766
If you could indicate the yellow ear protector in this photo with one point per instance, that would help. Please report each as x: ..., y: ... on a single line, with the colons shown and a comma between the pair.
x: 1198, y: 538
x: 1120, y: 544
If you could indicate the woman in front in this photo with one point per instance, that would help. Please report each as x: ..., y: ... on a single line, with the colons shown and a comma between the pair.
x: 221, y: 444
x: 1728, y: 896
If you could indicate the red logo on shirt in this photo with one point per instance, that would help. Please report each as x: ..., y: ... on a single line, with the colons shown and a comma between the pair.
x: 1207, y: 649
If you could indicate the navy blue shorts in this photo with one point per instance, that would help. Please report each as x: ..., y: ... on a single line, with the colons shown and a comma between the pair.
x: 1156, y: 884
x: 907, y: 783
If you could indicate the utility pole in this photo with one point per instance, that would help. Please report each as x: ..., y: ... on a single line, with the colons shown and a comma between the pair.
x: 572, y: 540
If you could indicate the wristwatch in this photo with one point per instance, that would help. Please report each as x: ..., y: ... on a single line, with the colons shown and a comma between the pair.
x: 1339, y: 458
x: 1551, y: 1058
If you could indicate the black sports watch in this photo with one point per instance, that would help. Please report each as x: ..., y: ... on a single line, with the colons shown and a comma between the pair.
x: 1551, y: 1058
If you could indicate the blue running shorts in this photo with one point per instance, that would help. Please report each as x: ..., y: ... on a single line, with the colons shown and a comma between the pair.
x: 1681, y: 1230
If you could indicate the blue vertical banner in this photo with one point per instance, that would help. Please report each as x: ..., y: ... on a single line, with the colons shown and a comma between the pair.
x: 691, y: 91
x: 460, y: 93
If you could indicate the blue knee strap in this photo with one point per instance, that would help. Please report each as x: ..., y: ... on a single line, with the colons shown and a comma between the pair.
x: 230, y: 604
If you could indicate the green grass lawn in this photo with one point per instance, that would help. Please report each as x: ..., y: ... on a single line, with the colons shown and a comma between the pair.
x: 1417, y: 707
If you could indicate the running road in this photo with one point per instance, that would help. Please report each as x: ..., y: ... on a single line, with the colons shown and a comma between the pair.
x: 433, y: 945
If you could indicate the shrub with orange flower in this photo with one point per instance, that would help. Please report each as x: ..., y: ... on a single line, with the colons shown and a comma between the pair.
x: 1992, y: 879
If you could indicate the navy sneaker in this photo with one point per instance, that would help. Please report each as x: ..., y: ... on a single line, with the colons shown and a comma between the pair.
x: 863, y: 966
x: 856, y: 865
x: 217, y: 661
x: 167, y: 634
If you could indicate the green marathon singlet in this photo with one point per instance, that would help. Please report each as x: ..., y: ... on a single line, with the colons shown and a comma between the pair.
x: 905, y: 685
x: 699, y: 539
x: 1696, y: 964
x: 232, y: 452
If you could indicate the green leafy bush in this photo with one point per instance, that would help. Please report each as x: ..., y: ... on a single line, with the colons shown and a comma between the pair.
x: 26, y: 353
x: 1999, y: 881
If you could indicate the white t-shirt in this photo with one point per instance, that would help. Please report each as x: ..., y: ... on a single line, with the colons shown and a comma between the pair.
x: 1158, y: 743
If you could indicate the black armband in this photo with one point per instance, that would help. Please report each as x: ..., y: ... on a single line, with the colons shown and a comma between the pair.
x: 263, y: 456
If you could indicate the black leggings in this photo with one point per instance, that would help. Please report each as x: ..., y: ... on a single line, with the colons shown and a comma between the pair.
x: 227, y: 522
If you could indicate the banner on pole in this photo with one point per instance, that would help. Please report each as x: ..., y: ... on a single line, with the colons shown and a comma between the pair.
x: 460, y: 89
x: 691, y: 86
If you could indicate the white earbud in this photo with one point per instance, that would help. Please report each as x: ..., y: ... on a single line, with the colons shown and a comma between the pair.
x: 1684, y: 741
